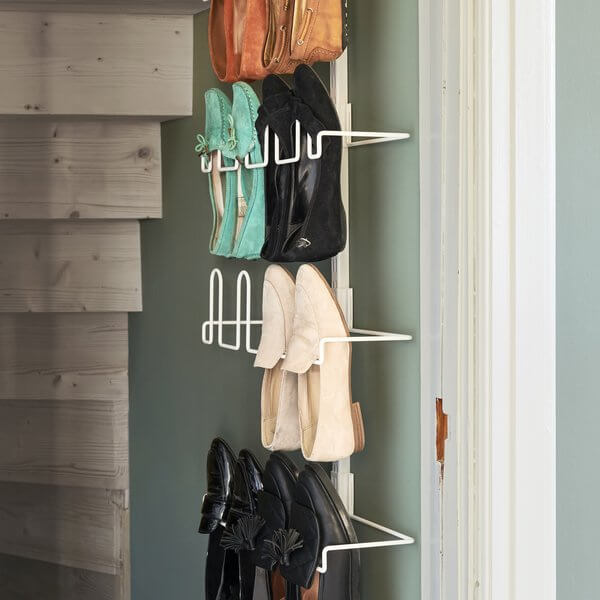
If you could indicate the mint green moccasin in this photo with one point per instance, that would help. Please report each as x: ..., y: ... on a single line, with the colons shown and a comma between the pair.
x: 222, y: 186
x: 250, y: 183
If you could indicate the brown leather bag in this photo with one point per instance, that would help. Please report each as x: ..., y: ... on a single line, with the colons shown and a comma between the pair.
x: 236, y: 34
x: 303, y: 31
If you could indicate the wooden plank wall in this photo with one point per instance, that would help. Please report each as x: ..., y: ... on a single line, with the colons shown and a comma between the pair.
x: 80, y: 64
x: 68, y: 266
x: 153, y: 7
x: 80, y: 160
x: 63, y: 399
x: 23, y: 579
x: 57, y: 169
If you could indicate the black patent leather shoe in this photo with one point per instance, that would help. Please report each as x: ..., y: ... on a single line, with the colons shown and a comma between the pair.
x: 243, y: 581
x: 274, y: 507
x: 319, y: 519
x: 220, y: 465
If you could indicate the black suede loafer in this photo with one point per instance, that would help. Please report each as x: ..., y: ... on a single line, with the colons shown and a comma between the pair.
x: 305, y: 217
x: 317, y: 228
x: 239, y: 538
x: 274, y: 506
x: 319, y: 519
x: 220, y: 465
x: 278, y: 112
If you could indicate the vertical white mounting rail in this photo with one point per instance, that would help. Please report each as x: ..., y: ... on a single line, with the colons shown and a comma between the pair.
x: 342, y: 476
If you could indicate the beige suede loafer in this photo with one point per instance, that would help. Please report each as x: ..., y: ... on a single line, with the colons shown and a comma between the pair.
x: 280, y: 428
x: 331, y: 425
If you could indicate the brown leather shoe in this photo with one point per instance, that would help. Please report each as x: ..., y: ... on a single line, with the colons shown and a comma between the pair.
x: 221, y: 38
x: 236, y: 33
x: 255, y: 26
x: 304, y: 31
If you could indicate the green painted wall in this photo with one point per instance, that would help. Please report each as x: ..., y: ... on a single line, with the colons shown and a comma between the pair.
x: 184, y: 393
x: 578, y: 297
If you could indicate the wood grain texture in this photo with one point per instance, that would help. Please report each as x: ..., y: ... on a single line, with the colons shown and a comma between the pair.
x: 26, y: 579
x: 90, y: 170
x: 69, y: 443
x: 74, y: 527
x: 85, y: 64
x: 155, y: 7
x: 80, y: 356
x: 59, y: 266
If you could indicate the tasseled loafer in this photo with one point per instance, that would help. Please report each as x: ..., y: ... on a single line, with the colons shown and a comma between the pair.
x: 319, y: 519
x: 220, y: 465
x: 240, y: 537
x: 274, y: 506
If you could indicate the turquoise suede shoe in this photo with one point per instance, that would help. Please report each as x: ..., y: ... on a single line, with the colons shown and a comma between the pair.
x: 250, y: 183
x: 222, y: 187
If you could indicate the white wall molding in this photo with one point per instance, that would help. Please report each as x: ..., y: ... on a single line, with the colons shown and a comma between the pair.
x: 489, y: 82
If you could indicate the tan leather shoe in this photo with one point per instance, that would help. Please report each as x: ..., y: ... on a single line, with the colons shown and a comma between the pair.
x: 332, y: 426
x: 303, y: 31
x: 280, y: 428
x: 318, y: 30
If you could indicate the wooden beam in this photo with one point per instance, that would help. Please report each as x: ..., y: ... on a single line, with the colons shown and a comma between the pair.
x: 26, y: 579
x: 154, y: 7
x: 74, y: 527
x: 81, y: 356
x: 64, y: 443
x: 85, y: 64
x: 59, y: 266
x: 56, y: 169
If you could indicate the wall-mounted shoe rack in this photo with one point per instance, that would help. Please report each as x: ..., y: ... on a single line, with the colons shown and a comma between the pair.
x: 242, y: 340
x: 373, y: 137
x: 243, y: 323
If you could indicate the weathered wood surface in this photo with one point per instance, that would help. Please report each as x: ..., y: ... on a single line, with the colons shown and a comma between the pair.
x: 74, y: 527
x: 26, y: 579
x: 71, y: 443
x: 78, y: 356
x: 155, y: 7
x: 57, y: 169
x: 85, y: 64
x: 60, y: 266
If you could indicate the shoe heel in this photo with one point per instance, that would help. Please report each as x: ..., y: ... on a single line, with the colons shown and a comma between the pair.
x: 359, y: 428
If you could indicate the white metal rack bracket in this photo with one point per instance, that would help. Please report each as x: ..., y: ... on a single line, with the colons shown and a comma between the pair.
x: 243, y: 323
x: 314, y: 149
x: 401, y: 539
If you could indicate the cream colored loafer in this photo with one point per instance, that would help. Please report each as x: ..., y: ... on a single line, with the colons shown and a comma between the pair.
x: 332, y: 426
x: 280, y: 429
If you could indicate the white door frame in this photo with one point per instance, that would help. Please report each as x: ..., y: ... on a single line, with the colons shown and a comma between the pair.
x: 487, y: 88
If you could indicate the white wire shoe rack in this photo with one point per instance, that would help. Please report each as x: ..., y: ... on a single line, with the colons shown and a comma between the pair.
x: 314, y: 150
x: 243, y: 323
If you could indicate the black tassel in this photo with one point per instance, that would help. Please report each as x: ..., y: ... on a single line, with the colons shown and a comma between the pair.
x: 243, y: 534
x: 279, y: 549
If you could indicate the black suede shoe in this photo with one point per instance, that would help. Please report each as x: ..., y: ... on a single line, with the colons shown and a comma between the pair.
x: 220, y: 464
x: 319, y: 519
x: 306, y: 221
x: 318, y: 220
x: 278, y: 112
x: 274, y: 506
x: 239, y: 538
